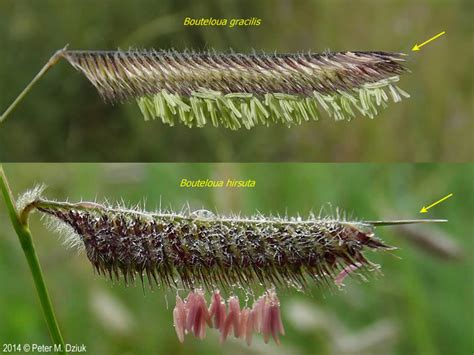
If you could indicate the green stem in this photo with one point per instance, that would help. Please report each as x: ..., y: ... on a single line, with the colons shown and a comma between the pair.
x: 53, y: 60
x: 28, y: 247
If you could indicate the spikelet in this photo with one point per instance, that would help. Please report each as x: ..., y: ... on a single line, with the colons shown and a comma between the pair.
x: 201, y: 249
x: 244, y: 90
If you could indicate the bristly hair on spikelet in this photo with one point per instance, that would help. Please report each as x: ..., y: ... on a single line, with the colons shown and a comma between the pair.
x: 202, y: 249
x: 237, y: 90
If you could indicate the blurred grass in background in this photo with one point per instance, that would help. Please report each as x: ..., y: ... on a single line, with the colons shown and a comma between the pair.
x: 64, y: 119
x: 422, y: 305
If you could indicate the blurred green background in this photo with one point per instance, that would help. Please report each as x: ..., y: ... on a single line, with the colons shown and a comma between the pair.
x: 421, y: 305
x: 64, y: 119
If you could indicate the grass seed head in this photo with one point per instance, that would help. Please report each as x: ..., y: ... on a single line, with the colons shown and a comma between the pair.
x: 244, y: 90
x: 187, y: 250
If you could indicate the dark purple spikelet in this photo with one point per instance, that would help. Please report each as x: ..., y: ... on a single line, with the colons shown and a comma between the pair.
x: 204, y: 250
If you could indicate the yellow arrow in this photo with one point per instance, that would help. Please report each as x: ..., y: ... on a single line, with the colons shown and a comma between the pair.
x: 425, y: 209
x: 417, y: 47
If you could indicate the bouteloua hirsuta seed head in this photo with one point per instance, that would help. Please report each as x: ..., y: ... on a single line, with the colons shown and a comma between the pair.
x: 202, y: 249
x: 235, y: 90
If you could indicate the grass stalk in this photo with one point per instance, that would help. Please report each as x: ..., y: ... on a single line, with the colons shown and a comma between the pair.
x: 26, y: 241
x: 53, y: 60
